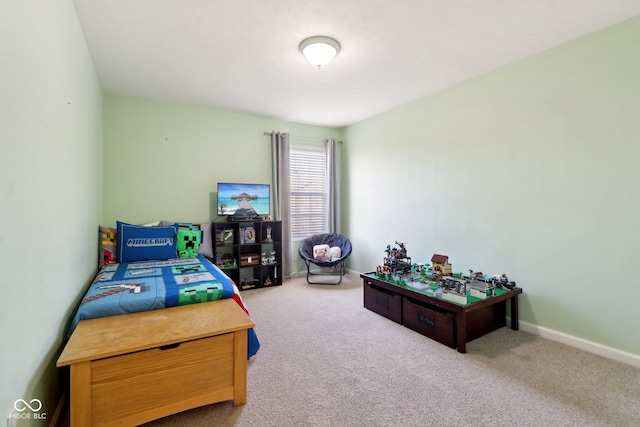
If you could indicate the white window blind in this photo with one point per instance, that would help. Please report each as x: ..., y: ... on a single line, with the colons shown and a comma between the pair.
x: 308, y: 167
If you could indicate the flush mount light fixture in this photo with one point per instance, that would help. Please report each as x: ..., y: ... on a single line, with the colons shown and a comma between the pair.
x: 319, y: 50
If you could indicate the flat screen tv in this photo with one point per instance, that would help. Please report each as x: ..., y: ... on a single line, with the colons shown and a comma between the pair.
x: 243, y: 200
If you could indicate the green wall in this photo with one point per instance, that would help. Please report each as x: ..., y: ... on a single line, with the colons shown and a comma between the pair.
x: 530, y: 170
x: 163, y: 161
x: 50, y: 192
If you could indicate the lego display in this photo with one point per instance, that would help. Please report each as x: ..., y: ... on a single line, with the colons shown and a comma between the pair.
x: 437, y: 279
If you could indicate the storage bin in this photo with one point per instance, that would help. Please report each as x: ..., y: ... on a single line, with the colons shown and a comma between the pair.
x: 383, y: 302
x: 431, y: 322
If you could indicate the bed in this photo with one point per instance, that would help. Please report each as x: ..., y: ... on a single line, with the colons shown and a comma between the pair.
x: 132, y: 287
x: 165, y: 333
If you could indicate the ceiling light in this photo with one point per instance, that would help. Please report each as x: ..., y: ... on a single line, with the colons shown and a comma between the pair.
x: 319, y: 50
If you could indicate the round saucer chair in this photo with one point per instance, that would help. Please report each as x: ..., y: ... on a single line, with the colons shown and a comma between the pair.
x: 336, y: 267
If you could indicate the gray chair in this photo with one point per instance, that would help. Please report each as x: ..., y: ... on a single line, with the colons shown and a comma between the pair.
x: 305, y: 250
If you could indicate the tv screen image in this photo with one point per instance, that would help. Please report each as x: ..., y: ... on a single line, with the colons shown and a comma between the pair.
x: 243, y: 199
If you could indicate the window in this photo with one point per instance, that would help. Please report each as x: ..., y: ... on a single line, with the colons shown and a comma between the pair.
x: 308, y: 167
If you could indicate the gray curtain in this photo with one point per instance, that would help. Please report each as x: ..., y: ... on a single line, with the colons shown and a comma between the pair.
x: 332, y: 147
x: 282, y: 195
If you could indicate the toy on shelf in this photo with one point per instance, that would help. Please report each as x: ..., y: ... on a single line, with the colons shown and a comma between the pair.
x: 225, y: 237
x: 225, y: 261
x: 268, y: 238
x: 249, y: 283
x: 268, y: 260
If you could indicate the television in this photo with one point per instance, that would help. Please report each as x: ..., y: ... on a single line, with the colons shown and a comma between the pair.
x: 243, y: 200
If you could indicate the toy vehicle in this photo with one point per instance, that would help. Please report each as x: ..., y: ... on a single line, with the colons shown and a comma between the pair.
x: 501, y: 281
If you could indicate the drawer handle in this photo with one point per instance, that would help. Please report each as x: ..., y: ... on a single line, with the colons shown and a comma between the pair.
x: 382, y: 302
x: 169, y: 346
x: 429, y: 321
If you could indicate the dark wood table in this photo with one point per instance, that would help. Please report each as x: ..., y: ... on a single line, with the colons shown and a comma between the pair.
x: 451, y: 323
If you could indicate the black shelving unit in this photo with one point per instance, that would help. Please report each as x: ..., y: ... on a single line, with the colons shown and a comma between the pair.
x: 249, y: 252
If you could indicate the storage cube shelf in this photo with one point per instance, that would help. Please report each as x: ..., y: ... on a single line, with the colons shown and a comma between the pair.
x: 250, y: 253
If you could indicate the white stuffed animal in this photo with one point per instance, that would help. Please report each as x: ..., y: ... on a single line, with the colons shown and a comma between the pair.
x: 321, y: 253
x: 326, y: 254
x: 335, y: 253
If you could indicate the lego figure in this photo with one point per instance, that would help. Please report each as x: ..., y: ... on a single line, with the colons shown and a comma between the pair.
x: 268, y: 239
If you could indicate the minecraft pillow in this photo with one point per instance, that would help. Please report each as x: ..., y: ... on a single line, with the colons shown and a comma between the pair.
x: 206, y: 245
x: 106, y: 245
x: 188, y: 240
x: 140, y: 243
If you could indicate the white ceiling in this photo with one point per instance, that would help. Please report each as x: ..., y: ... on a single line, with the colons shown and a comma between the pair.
x: 242, y: 55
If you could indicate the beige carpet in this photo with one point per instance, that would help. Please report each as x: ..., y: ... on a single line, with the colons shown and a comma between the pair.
x: 325, y: 360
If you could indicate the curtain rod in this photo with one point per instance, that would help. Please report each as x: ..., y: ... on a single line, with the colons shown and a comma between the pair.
x: 304, y: 137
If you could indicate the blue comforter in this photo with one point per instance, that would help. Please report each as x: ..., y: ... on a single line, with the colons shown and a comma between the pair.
x: 132, y: 287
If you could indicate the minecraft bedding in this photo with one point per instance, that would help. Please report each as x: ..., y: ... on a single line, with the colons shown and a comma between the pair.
x: 130, y: 287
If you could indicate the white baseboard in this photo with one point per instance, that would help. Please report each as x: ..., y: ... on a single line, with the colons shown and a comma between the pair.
x: 590, y: 346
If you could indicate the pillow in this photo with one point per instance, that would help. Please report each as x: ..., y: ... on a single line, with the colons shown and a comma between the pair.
x: 106, y: 245
x: 206, y: 246
x: 187, y: 242
x: 140, y: 243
